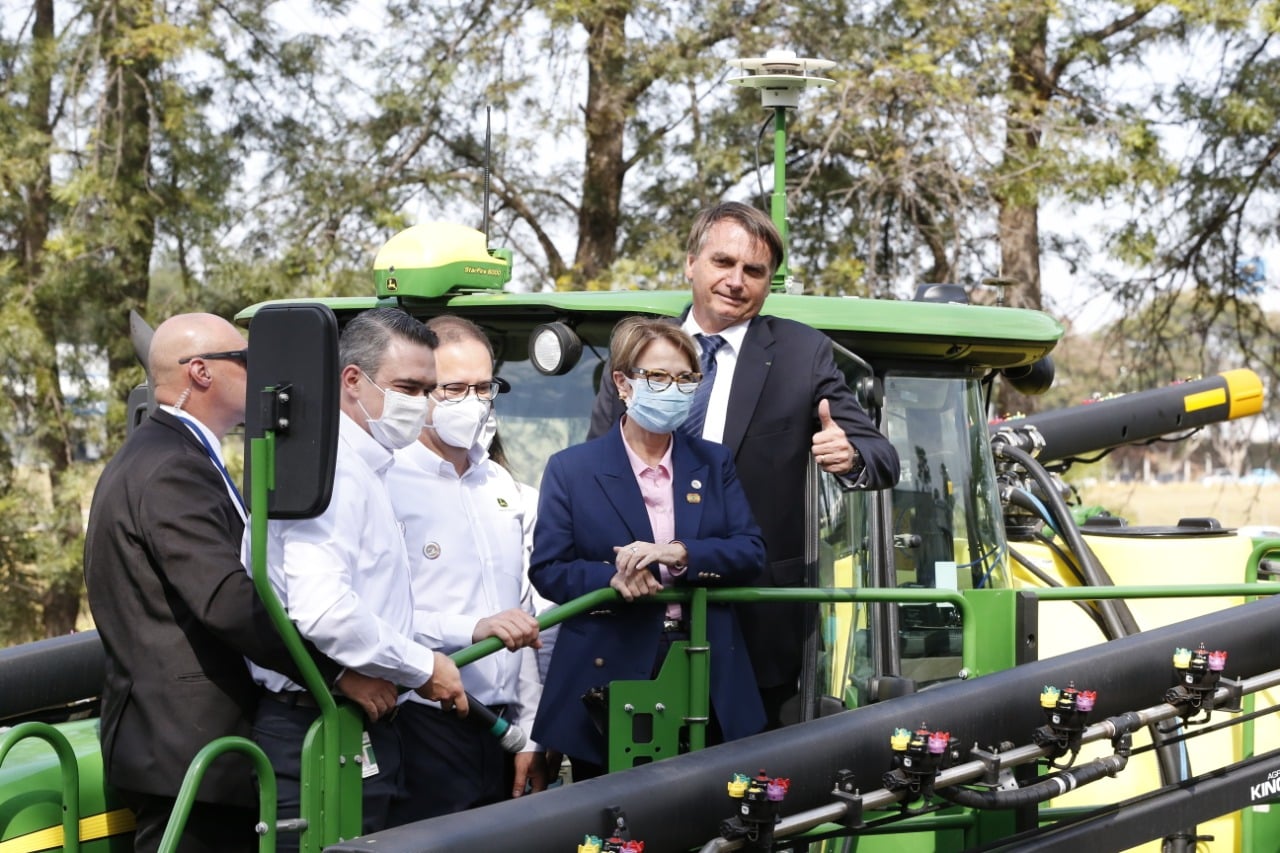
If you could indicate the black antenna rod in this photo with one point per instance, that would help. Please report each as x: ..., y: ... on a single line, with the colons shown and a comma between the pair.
x: 488, y: 154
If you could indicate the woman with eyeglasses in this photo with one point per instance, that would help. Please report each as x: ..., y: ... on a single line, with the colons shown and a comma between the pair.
x: 641, y: 508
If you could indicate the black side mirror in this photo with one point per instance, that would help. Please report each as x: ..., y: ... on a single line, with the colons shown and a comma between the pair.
x: 293, y: 392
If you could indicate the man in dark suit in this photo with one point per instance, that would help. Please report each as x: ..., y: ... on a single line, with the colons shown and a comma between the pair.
x: 175, y: 609
x: 775, y: 397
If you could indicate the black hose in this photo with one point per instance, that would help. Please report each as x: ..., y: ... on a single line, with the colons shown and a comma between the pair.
x: 1116, y: 615
x: 1048, y: 580
x: 1045, y: 789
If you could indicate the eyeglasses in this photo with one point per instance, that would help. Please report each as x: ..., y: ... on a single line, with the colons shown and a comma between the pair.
x: 240, y: 355
x: 660, y: 380
x: 456, y: 392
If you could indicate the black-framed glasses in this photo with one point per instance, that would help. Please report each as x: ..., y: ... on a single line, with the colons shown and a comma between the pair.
x: 240, y: 355
x: 660, y: 380
x: 456, y: 392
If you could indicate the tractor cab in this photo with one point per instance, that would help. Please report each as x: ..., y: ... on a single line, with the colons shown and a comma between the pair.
x: 923, y: 369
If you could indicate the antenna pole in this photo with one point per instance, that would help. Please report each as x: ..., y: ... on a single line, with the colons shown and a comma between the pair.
x: 488, y: 155
x: 780, y: 76
x: 778, y: 207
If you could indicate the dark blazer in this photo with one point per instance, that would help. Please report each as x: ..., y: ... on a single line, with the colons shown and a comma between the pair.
x: 590, y: 502
x: 784, y: 369
x: 177, y: 613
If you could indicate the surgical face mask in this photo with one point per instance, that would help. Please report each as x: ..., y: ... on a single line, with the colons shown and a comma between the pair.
x: 658, y: 411
x: 402, y: 418
x: 488, y: 430
x: 459, y: 424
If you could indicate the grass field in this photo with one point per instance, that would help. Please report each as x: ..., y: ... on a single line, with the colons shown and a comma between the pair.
x: 1232, y: 504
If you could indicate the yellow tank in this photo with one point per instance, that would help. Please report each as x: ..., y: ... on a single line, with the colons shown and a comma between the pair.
x: 1153, y: 556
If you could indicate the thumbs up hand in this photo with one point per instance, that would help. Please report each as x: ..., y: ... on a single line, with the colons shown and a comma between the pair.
x: 831, y: 446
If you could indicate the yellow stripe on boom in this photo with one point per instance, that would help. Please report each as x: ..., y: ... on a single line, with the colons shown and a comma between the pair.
x: 92, y: 828
x: 1205, y: 400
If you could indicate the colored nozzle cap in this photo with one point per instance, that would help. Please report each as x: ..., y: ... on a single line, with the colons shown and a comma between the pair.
x: 738, y: 785
x: 1086, y: 699
x: 1181, y: 658
x: 590, y: 844
x: 1049, y: 696
x: 777, y: 789
x: 938, y: 742
x: 899, y: 740
x: 1217, y: 661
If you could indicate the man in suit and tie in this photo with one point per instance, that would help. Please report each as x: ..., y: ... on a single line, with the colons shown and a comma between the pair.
x: 773, y: 395
x: 176, y: 611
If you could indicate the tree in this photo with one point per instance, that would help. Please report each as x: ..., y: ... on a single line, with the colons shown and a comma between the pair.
x: 98, y: 153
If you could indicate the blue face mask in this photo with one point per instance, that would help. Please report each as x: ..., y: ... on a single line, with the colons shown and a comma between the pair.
x: 658, y: 411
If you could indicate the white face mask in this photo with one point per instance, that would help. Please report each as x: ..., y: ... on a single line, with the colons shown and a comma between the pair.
x: 488, y: 430
x: 459, y: 424
x: 402, y: 418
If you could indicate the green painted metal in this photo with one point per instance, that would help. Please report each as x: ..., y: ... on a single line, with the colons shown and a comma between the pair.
x: 600, y: 597
x: 954, y: 333
x: 32, y: 777
x: 944, y: 831
x: 675, y: 702
x: 1208, y: 590
x: 69, y: 768
x: 480, y: 275
x: 699, y: 682
x: 191, y: 785
x: 1257, y: 824
x: 320, y: 765
x: 645, y: 717
x: 331, y: 784
x: 995, y: 611
x: 778, y: 201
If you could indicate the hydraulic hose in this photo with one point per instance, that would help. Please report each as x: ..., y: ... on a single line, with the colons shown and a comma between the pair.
x: 1039, y: 792
x: 1047, y: 580
x: 1116, y: 615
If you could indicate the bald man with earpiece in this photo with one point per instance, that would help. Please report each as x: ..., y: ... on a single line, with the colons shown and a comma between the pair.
x: 175, y: 609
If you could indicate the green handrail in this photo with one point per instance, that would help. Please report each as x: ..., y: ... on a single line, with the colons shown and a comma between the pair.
x: 70, y: 774
x: 592, y: 600
x: 266, y: 827
x: 969, y: 635
x: 262, y: 459
x: 699, y: 670
x: 1208, y: 590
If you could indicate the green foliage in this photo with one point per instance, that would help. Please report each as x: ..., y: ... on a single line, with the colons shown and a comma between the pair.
x: 179, y: 156
x: 20, y: 589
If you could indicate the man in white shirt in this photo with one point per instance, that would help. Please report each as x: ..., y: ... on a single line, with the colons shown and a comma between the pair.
x: 463, y: 516
x: 344, y: 576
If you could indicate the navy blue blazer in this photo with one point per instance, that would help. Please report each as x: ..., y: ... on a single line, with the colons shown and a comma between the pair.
x: 589, y: 502
x: 784, y: 369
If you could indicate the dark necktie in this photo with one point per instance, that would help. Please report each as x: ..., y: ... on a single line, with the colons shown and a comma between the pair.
x: 698, y: 409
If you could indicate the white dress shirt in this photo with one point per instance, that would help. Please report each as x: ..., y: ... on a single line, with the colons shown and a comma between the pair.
x: 726, y: 363
x: 344, y: 578
x: 466, y: 541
